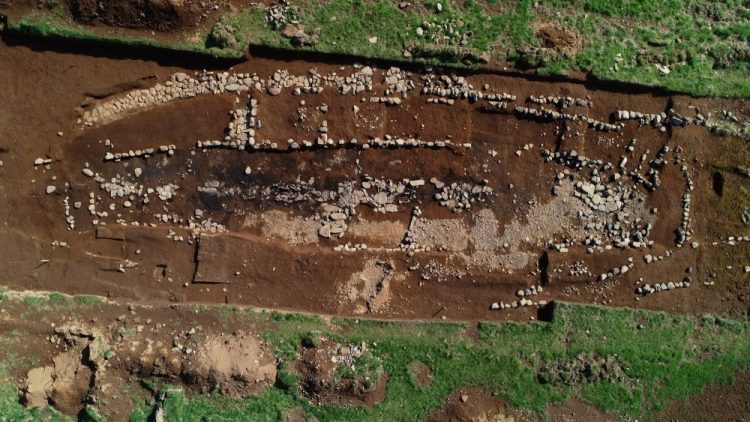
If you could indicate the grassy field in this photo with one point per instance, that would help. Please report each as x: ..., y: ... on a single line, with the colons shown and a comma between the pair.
x: 703, y: 45
x: 663, y: 357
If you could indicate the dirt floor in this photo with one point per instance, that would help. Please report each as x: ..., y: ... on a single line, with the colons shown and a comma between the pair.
x: 715, y: 403
x: 230, y: 237
x: 477, y: 212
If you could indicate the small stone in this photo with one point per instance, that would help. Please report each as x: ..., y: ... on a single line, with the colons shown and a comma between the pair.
x: 88, y: 172
x: 274, y: 90
x: 50, y: 189
x: 248, y: 170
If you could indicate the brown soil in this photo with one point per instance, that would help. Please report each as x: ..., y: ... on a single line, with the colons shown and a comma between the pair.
x: 318, y: 367
x: 91, y: 359
x: 422, y: 374
x: 160, y: 15
x: 270, y: 255
x: 575, y: 410
x: 564, y: 41
x: 472, y: 405
x: 716, y: 403
x: 276, y: 254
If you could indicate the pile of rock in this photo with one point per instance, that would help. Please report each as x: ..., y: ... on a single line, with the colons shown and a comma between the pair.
x: 398, y: 82
x: 648, y: 289
x: 333, y: 221
x: 530, y: 291
x: 140, y: 153
x: 561, y: 102
x: 656, y: 258
x: 553, y: 115
x: 586, y: 368
x: 457, y: 87
x: 616, y: 271
x: 279, y: 15
x: 357, y: 83
x: 241, y: 128
x: 461, y: 196
x: 523, y: 302
x: 386, y: 100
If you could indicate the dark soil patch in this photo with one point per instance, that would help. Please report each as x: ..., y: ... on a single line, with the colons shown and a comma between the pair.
x: 322, y: 384
x: 471, y: 404
x: 422, y: 374
x: 161, y: 15
x: 575, y: 410
x: 716, y: 403
x: 565, y: 42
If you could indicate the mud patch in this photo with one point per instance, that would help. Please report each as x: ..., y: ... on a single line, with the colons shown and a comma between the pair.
x: 378, y: 233
x: 342, y: 374
x: 368, y: 290
x: 560, y: 40
x: 472, y: 405
x: 717, y: 402
x: 238, y: 365
x: 161, y: 15
x: 66, y: 383
x: 575, y: 410
x: 446, y: 234
x: 294, y: 230
x: 421, y: 374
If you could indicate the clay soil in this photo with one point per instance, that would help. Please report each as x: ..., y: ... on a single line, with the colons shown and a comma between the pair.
x: 267, y: 259
x: 46, y: 92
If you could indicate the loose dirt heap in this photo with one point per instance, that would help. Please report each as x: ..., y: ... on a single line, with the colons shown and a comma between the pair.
x: 341, y: 374
x: 161, y: 15
x: 94, y: 364
x: 472, y: 405
x: 237, y: 366
x: 585, y: 368
x: 67, y: 382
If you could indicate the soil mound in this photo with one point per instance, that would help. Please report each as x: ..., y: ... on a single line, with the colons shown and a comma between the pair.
x: 339, y: 374
x: 237, y: 365
x: 565, y: 42
x: 471, y: 405
x: 67, y: 382
x: 161, y: 15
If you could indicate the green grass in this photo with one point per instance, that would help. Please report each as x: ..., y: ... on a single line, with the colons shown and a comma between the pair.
x: 670, y: 357
x: 42, y: 24
x: 58, y: 301
x: 705, y: 44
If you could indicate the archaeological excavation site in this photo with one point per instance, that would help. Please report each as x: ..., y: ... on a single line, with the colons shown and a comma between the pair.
x: 382, y: 211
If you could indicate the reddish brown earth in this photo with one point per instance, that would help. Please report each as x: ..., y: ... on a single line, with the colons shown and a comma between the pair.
x: 472, y: 405
x: 47, y: 91
x: 716, y: 403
